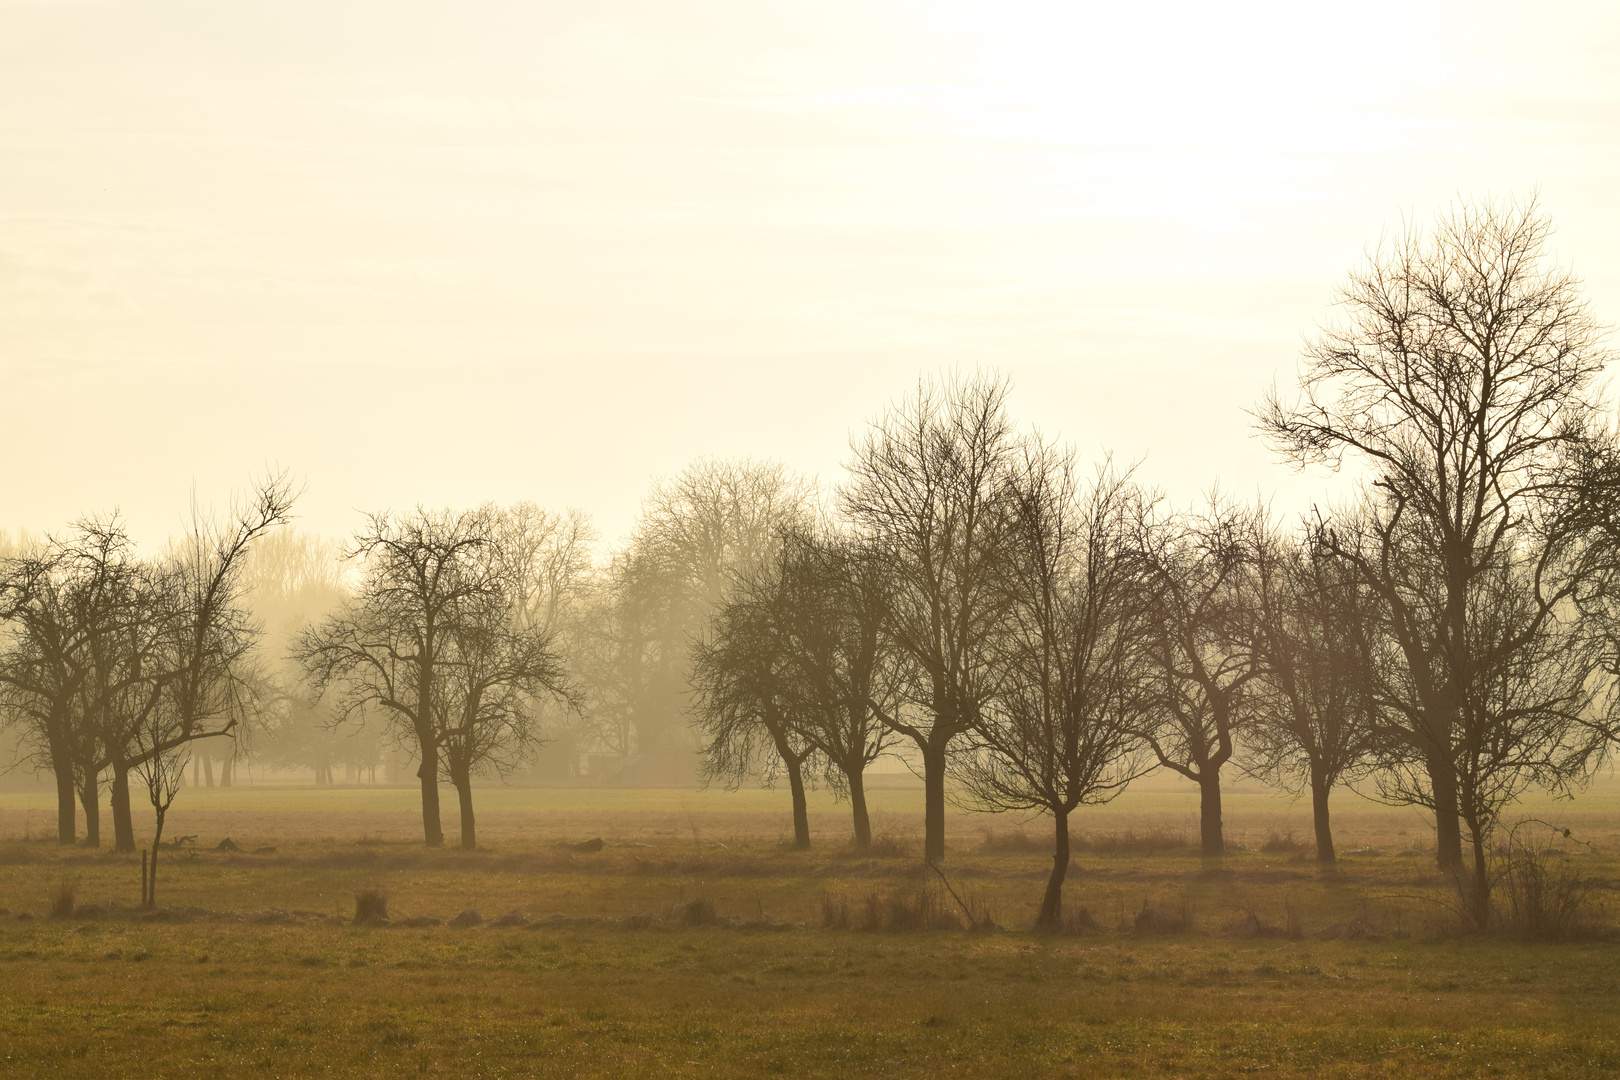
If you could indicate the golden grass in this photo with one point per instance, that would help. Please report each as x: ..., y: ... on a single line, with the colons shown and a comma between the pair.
x: 111, y: 995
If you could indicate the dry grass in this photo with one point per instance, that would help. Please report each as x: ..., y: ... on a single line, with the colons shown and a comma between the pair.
x: 641, y: 963
x: 324, y: 999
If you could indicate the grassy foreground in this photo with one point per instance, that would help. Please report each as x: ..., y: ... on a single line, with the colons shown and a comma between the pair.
x: 255, y: 968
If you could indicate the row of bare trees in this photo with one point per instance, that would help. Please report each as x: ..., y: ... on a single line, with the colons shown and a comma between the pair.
x: 116, y: 665
x: 1446, y: 634
x: 974, y: 600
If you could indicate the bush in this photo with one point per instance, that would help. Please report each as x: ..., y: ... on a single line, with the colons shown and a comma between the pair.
x: 1252, y: 926
x: 834, y: 912
x: 1131, y: 842
x: 1081, y: 923
x: 1541, y: 892
x: 370, y: 907
x: 62, y: 895
x: 883, y: 846
x: 1015, y: 841
x: 1285, y: 845
x: 1178, y: 919
x: 914, y: 908
x: 697, y: 912
x: 908, y: 909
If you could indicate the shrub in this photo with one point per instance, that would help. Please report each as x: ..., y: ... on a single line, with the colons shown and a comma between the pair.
x: 912, y: 908
x: 1284, y: 845
x: 1015, y: 841
x: 62, y: 894
x: 1081, y: 923
x: 834, y: 912
x: 886, y: 846
x: 696, y: 912
x: 1178, y: 919
x: 1541, y: 892
x: 1131, y: 842
x: 370, y: 907
x: 908, y: 909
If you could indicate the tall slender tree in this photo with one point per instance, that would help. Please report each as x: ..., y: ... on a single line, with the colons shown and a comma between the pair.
x: 390, y: 646
x: 1464, y: 380
x: 1064, y: 729
x: 928, y: 487
x: 1311, y: 629
x: 1191, y: 571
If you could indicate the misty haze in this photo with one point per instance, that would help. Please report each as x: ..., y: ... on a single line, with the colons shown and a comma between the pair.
x: 734, y: 539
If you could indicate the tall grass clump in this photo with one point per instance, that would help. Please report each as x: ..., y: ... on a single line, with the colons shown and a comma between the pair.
x: 1540, y: 892
x: 63, y: 892
x: 1131, y: 842
x: 1013, y: 841
x: 1176, y: 918
x: 896, y: 911
x: 370, y: 907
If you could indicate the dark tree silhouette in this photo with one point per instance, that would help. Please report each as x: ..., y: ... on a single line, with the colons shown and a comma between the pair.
x: 1464, y: 379
x: 1190, y: 571
x: 742, y: 699
x: 831, y: 608
x: 56, y: 602
x: 440, y: 641
x: 928, y: 487
x: 1309, y: 626
x: 1062, y: 732
x: 391, y: 645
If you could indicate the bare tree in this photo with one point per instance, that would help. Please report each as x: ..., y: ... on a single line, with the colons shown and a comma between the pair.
x: 163, y: 756
x: 180, y: 659
x: 742, y: 699
x: 388, y: 646
x: 1190, y: 570
x: 57, y: 600
x: 498, y: 667
x: 546, y: 559
x: 438, y: 640
x: 1063, y: 730
x: 1464, y: 379
x: 700, y: 533
x: 836, y: 661
x: 1309, y: 626
x: 928, y: 486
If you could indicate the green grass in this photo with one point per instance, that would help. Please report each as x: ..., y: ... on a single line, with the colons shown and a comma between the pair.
x: 113, y: 996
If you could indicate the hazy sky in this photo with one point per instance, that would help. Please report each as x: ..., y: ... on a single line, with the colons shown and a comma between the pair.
x: 455, y: 252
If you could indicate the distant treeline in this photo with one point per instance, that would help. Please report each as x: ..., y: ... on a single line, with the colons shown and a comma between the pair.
x: 1032, y: 631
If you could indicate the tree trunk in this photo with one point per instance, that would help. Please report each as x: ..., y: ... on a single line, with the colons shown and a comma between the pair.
x: 432, y: 832
x: 1051, y: 916
x: 1447, y: 820
x: 801, y: 811
x: 856, y: 778
x: 90, y: 799
x: 66, y: 811
x: 1480, y: 900
x: 123, y: 820
x: 1213, y: 844
x: 933, y: 804
x: 1326, y: 856
x: 208, y: 767
x: 151, y: 884
x: 227, y: 769
x: 469, y: 830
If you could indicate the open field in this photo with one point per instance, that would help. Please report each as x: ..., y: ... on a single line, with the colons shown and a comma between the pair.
x: 256, y: 967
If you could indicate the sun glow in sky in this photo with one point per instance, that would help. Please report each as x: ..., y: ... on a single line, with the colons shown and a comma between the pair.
x: 447, y: 253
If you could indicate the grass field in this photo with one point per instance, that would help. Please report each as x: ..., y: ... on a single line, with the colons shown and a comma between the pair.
x: 254, y: 965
